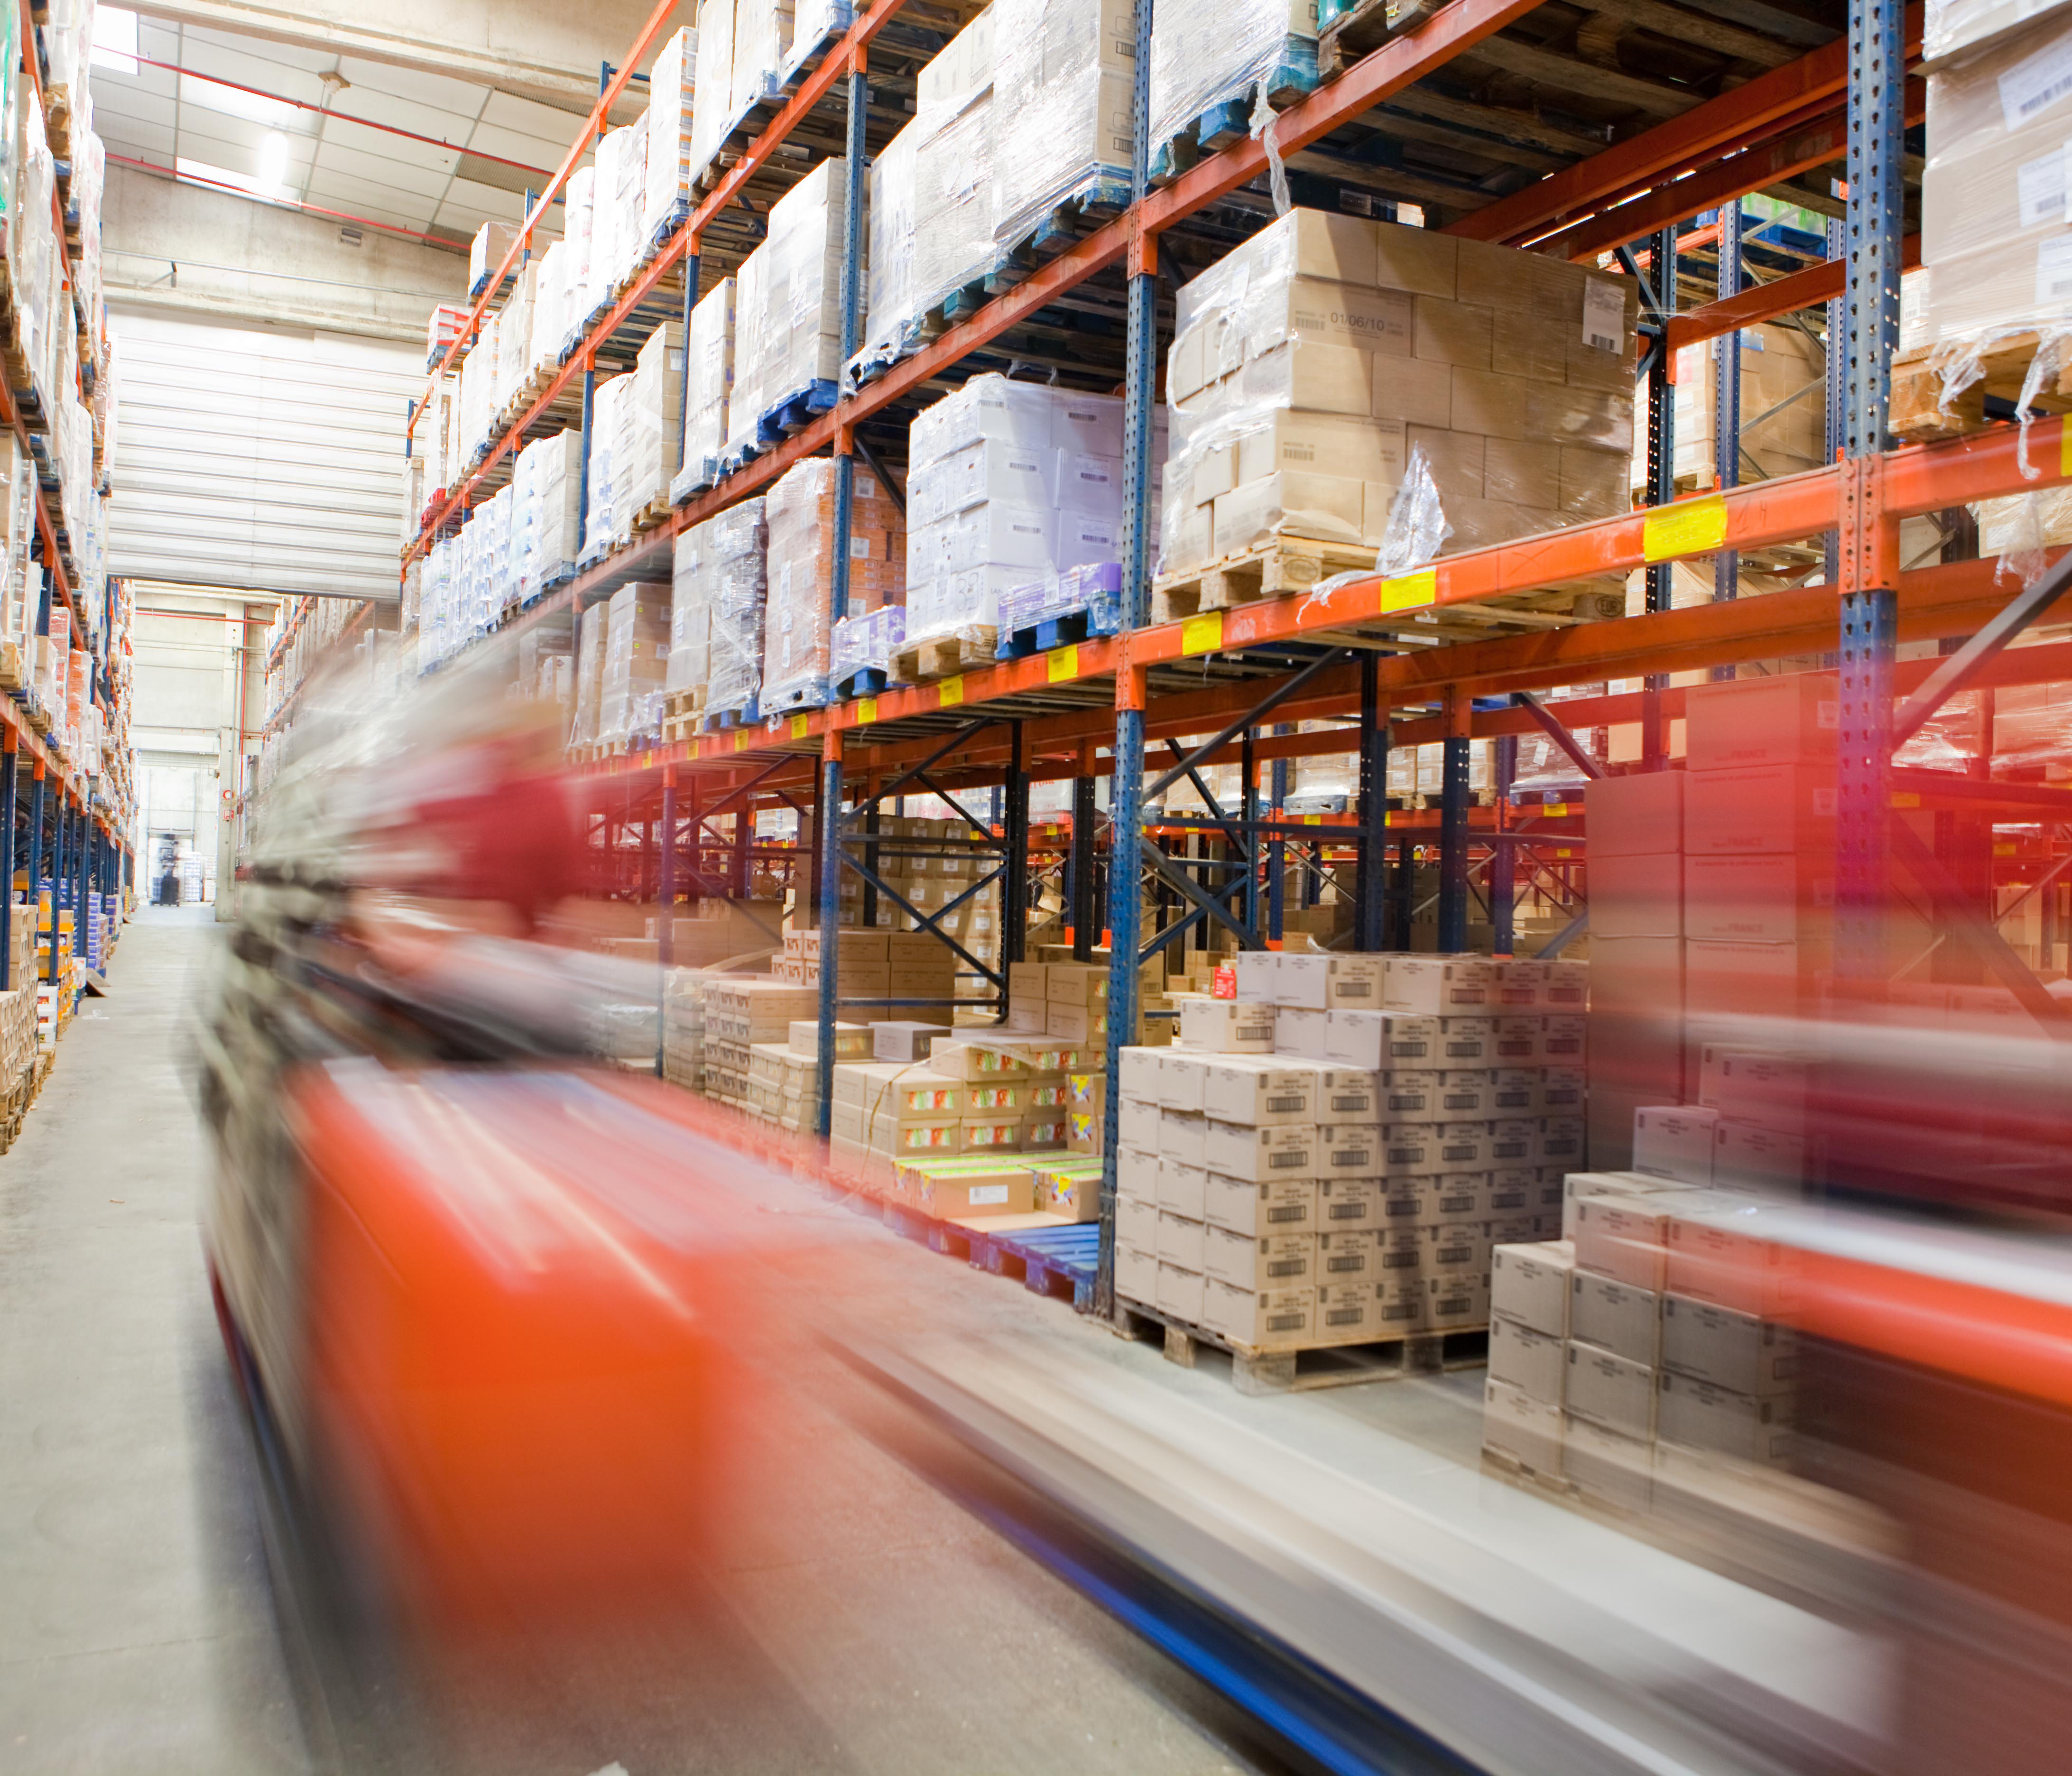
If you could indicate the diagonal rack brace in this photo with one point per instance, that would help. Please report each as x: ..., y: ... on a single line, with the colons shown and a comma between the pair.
x: 1558, y: 733
x: 1206, y: 903
x: 1251, y: 718
x: 1963, y: 668
x: 931, y: 922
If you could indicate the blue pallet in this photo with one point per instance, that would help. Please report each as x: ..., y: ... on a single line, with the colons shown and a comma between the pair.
x: 865, y: 681
x: 813, y: 694
x: 795, y: 413
x: 1292, y: 76
x: 1057, y: 1261
x: 674, y: 218
x: 746, y: 716
x: 1058, y: 631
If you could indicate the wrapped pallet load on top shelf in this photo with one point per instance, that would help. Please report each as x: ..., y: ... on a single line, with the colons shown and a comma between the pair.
x: 1211, y: 54
x: 636, y: 659
x: 1316, y: 366
x: 708, y: 390
x: 762, y: 45
x: 670, y: 173
x: 1063, y: 71
x: 712, y: 116
x: 801, y: 513
x: 621, y: 194
x: 493, y: 240
x: 514, y: 337
x: 1995, y: 232
x: 733, y: 568
x: 788, y: 338
x: 578, y: 228
x: 891, y: 313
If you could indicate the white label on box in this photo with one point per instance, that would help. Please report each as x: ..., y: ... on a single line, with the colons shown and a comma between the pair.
x: 2053, y: 271
x: 986, y: 1193
x: 2036, y: 82
x: 1604, y: 314
x: 2040, y: 188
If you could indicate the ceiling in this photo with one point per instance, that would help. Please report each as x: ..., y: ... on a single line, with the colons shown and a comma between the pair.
x: 215, y: 109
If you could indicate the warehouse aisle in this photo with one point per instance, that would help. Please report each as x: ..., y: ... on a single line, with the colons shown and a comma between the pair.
x: 137, y: 1631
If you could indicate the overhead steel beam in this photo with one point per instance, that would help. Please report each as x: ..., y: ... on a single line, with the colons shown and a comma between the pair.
x: 1785, y: 295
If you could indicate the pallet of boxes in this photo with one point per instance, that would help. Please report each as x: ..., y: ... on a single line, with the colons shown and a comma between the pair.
x: 1313, y: 1176
x: 1644, y: 1359
x: 18, y: 1021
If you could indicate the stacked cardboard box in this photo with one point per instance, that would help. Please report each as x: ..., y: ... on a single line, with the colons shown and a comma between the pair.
x: 546, y: 494
x: 1783, y: 407
x: 636, y: 659
x: 708, y: 385
x: 741, y: 1011
x: 1066, y: 1000
x: 1010, y: 482
x: 653, y: 420
x: 801, y: 510
x: 606, y: 525
x: 1995, y: 241
x: 1330, y: 1157
x: 969, y: 1096
x: 592, y: 633
x: 787, y: 313
x: 1649, y: 1342
x: 876, y: 966
x: 670, y: 174
x: 1312, y: 361
x: 683, y: 1028
x: 617, y: 242
x: 719, y: 578
x: 18, y: 1037
x: 1063, y: 73
x: 1205, y: 53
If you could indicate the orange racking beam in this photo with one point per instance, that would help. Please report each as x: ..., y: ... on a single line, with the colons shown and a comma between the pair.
x: 1762, y: 163
x: 1806, y: 289
x: 581, y: 147
x: 1681, y: 146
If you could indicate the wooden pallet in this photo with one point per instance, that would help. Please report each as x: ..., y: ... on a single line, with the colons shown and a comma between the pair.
x: 1345, y: 39
x: 1254, y: 1371
x: 945, y: 656
x: 1288, y: 563
x: 1917, y: 413
x: 654, y: 513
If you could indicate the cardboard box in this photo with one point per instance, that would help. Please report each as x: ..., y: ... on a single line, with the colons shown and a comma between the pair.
x: 1348, y: 1203
x: 904, y: 1040
x: 1514, y: 1142
x: 1716, y: 1252
x: 1283, y: 1206
x: 1179, y: 1293
x: 1075, y: 1194
x: 1259, y: 1092
x: 1439, y: 986
x: 1576, y: 1186
x: 1258, y: 975
x: 1412, y: 1095
x: 1137, y: 1124
x: 1464, y: 1042
x: 1180, y: 1240
x: 1637, y: 895
x: 1182, y: 1136
x: 1312, y: 982
x: 1183, y: 1080
x: 1518, y: 1190
x: 1760, y: 808
x: 1526, y: 1430
x: 1563, y: 1039
x: 1410, y: 1201
x: 1346, y: 1255
x: 1455, y: 1300
x: 1182, y: 1189
x: 1306, y: 1034
x: 1624, y: 1237
x: 1641, y: 815
x: 1075, y: 1023
x: 1610, y: 1390
x: 1136, y: 1173
x: 1616, y: 1469
x: 1698, y: 1415
x: 1758, y: 897
x: 1227, y: 1026
x: 1077, y: 984
x: 1269, y: 1319
x: 1261, y: 1262
x: 1344, y: 1313
x: 1675, y: 1142
x: 1777, y: 720
x: 1750, y: 1155
x: 1739, y: 1351
x: 1615, y: 1316
x: 1136, y: 1273
x: 1349, y: 1149
x: 1009, y: 1190
x: 1258, y: 1155
x: 1508, y: 1092
x: 1530, y: 1285
x: 1344, y: 1094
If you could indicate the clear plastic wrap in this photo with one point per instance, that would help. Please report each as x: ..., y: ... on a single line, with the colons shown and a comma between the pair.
x: 713, y: 112
x: 801, y: 517
x: 1206, y: 53
x: 891, y: 316
x: 1309, y: 362
x: 707, y: 389
x: 752, y: 321
x: 732, y: 557
x: 762, y: 47
x: 670, y: 173
x: 690, y: 615
x: 866, y: 642
x: 788, y: 333
x: 653, y: 420
x: 578, y: 218
x: 602, y: 527
x: 514, y: 337
x: 1995, y: 236
x: 637, y: 660
x: 592, y: 635
x: 1062, y: 84
x: 813, y: 23
x: 618, y: 244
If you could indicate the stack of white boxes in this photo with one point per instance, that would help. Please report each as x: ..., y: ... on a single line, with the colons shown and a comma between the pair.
x: 707, y: 388
x: 1009, y: 481
x: 1648, y: 1344
x: 788, y: 312
x: 1365, y: 1127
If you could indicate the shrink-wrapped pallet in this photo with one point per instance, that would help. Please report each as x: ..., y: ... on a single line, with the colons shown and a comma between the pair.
x: 514, y: 336
x: 560, y: 502
x: 708, y: 386
x: 788, y: 330
x: 1312, y: 367
x: 762, y: 47
x: 492, y: 245
x: 954, y: 166
x: 550, y: 307
x: 866, y: 642
x: 652, y: 419
x: 1207, y: 53
x: 714, y: 114
x: 801, y: 518
x: 891, y: 317
x: 592, y: 635
x: 733, y: 569
x: 578, y: 227
x: 604, y: 525
x: 1009, y: 482
x: 620, y: 195
x: 1063, y: 71
x: 637, y: 660
x: 670, y: 172
x: 690, y: 615
x: 1995, y: 228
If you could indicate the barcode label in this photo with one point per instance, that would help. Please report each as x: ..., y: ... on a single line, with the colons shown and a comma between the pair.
x: 1603, y: 315
x: 1351, y: 1261
x: 2036, y: 83
x: 1357, y: 1101
x: 2053, y: 277
x: 2039, y: 186
x: 1346, y: 1211
x: 1292, y: 1159
x: 1294, y: 1103
x: 1345, y: 1316
x: 1285, y: 1322
x: 1286, y: 1267
x: 1288, y: 1211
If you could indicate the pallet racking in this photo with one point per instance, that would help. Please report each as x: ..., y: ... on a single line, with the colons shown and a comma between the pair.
x: 1242, y: 674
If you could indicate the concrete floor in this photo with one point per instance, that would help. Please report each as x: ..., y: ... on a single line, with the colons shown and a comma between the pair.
x: 139, y: 1629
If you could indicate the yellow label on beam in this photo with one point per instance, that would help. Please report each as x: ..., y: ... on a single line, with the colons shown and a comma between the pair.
x: 951, y: 692
x: 1313, y: 819
x: 1553, y: 808
x: 1684, y: 527
x: 1563, y: 851
x: 741, y: 739
x: 1063, y: 665
x: 1201, y: 634
x: 866, y: 711
x: 2065, y: 450
x: 798, y: 727
x: 1410, y: 591
x: 2003, y: 850
x: 1904, y: 798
